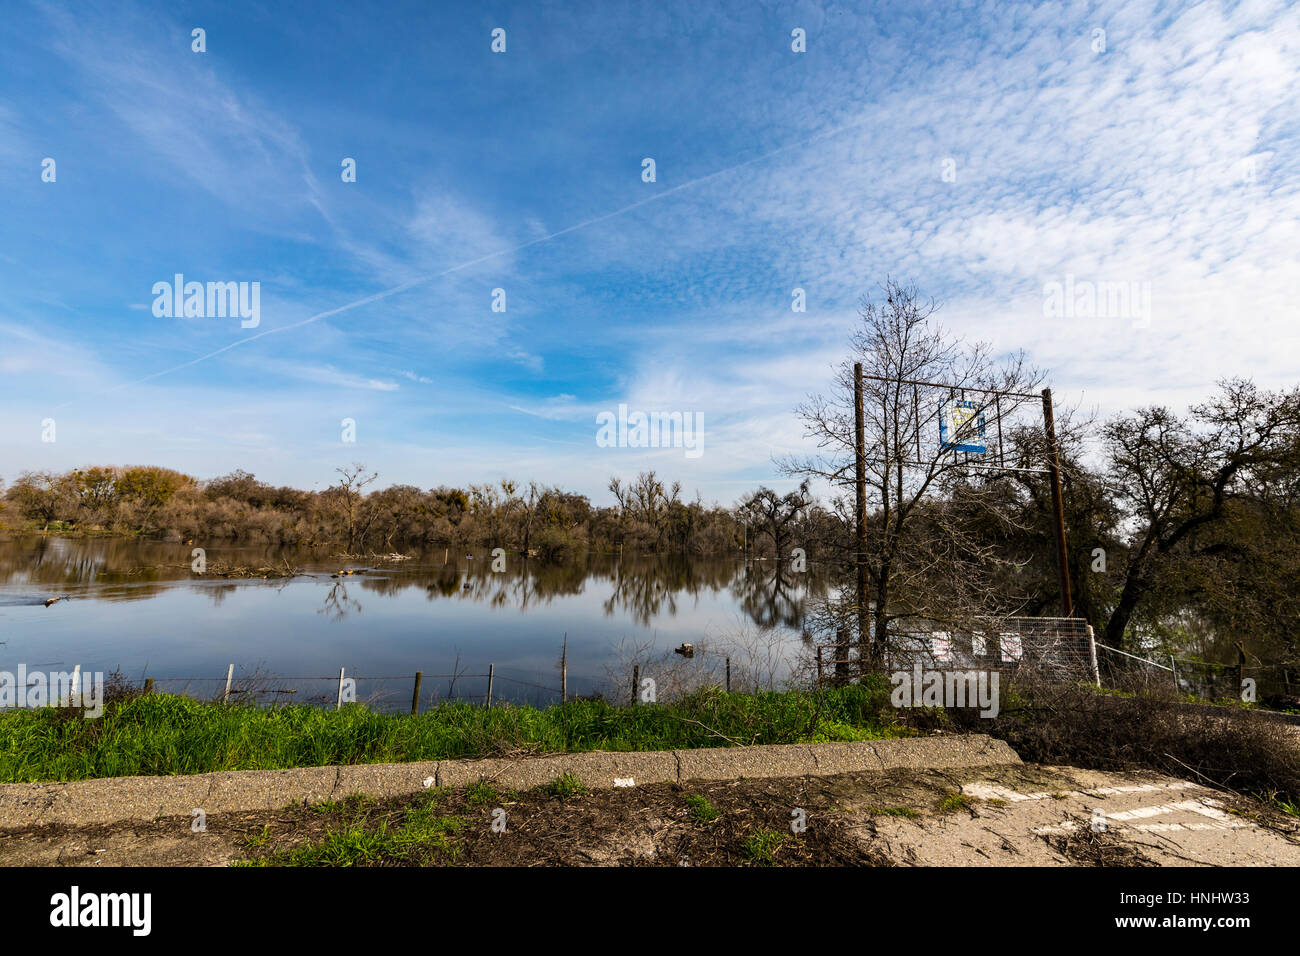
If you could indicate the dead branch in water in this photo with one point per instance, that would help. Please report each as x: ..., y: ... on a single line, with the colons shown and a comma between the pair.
x: 217, y: 569
x: 392, y: 556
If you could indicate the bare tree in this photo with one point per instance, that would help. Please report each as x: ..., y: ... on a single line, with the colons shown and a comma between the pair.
x: 350, y: 491
x: 646, y: 506
x: 904, y: 351
x: 527, y: 504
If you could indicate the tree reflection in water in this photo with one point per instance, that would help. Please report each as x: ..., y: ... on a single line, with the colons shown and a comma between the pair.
x: 644, y: 587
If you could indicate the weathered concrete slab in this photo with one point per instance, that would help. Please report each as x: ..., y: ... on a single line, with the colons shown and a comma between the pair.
x: 253, y: 789
x: 764, y: 760
x: 848, y: 757
x: 596, y: 770
x: 936, y: 753
x: 383, y: 779
x: 112, y: 800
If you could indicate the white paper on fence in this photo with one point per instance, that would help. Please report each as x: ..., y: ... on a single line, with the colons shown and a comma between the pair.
x: 977, y: 644
x: 1011, y: 646
x: 941, y: 645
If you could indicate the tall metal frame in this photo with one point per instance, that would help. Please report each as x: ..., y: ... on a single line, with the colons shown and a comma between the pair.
x: 1053, y: 469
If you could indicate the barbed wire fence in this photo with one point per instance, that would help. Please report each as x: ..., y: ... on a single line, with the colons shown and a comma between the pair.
x: 391, y: 692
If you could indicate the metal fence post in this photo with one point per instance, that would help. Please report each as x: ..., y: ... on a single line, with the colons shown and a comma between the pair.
x: 415, y: 694
x: 338, y: 704
x: 491, y: 669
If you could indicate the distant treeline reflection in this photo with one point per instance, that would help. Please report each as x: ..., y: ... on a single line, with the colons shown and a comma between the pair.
x: 641, y: 586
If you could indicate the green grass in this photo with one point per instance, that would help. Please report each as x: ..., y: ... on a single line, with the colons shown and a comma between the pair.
x: 565, y: 786
x: 482, y: 793
x: 954, y: 801
x: 261, y: 839
x: 759, y: 848
x: 907, y: 812
x: 701, y: 809
x: 418, y: 834
x: 173, y: 734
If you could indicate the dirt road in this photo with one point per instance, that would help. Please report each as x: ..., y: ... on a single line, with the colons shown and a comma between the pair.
x: 981, y: 816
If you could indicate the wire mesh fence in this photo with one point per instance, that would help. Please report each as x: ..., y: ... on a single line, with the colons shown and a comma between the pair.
x: 1273, y: 685
x: 1055, y: 649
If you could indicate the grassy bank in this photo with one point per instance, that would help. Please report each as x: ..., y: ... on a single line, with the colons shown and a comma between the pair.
x: 170, y: 734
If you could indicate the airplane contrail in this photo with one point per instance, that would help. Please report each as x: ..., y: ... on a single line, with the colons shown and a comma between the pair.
x: 395, y: 290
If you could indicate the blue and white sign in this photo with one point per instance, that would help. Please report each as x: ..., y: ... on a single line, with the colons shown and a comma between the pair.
x: 961, y: 427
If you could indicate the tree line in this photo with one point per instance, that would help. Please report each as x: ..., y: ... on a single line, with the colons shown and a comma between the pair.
x: 352, y: 515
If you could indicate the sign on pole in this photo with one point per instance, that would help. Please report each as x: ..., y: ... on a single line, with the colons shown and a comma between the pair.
x: 961, y: 427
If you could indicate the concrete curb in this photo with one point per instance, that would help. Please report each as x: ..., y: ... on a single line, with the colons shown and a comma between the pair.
x: 140, y: 799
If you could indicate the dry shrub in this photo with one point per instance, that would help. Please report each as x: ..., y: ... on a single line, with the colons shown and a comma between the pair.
x: 1076, y: 724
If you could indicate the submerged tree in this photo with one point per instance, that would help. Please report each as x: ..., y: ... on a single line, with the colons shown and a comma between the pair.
x: 775, y: 515
x: 349, y: 495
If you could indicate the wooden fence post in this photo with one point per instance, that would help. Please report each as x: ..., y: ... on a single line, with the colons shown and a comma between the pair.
x: 491, y: 670
x: 230, y: 672
x: 1092, y: 655
x: 338, y: 703
x: 1173, y: 669
x: 148, y: 685
x: 842, y: 656
x: 415, y: 694
x: 728, y: 675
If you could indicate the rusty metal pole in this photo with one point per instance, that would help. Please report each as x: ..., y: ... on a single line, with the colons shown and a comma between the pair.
x: 866, y: 652
x: 1058, y: 504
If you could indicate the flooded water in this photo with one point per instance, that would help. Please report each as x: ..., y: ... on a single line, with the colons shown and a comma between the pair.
x: 137, y: 607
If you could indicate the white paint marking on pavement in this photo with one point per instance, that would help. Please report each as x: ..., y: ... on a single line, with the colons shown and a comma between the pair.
x: 994, y: 792
x: 1218, y: 819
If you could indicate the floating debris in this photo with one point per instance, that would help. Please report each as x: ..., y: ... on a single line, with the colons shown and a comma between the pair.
x: 219, y: 570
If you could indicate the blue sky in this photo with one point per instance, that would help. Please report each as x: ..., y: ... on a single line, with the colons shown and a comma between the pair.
x: 1166, y: 159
